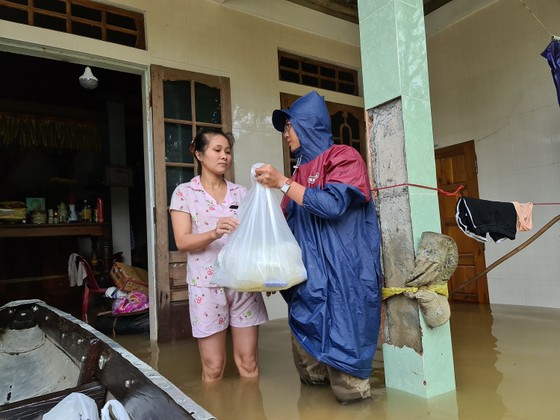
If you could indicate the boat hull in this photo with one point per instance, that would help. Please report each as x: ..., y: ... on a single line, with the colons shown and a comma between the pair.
x: 48, y: 354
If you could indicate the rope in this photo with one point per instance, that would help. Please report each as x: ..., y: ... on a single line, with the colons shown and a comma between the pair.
x: 406, y: 184
x: 537, y: 19
x: 455, y: 193
x: 508, y: 255
x: 391, y: 291
x: 388, y: 292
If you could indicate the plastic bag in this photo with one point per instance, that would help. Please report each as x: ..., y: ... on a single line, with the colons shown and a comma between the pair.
x: 131, y: 302
x: 262, y: 254
x: 76, y: 406
x: 114, y: 410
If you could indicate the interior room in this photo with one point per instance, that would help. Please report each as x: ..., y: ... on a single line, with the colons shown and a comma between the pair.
x: 66, y: 148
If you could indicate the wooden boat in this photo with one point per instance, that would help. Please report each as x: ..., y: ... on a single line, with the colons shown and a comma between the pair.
x: 46, y: 354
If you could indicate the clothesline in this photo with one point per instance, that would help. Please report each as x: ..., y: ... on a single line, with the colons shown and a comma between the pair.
x: 406, y: 184
x: 455, y: 193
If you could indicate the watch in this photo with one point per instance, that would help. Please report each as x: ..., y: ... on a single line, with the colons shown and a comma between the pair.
x: 286, y: 186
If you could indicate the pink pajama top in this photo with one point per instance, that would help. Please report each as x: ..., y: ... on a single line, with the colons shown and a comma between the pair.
x: 191, y: 198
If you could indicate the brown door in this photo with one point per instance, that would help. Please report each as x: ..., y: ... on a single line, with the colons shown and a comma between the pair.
x: 348, y: 127
x: 183, y: 103
x: 455, y: 166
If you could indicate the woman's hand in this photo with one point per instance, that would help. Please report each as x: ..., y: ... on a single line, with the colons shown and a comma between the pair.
x: 225, y: 225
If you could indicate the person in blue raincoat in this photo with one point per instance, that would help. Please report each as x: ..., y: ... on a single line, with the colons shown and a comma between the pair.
x: 335, y: 315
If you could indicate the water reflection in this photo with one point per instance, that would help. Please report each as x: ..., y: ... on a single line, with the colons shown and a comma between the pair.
x: 475, y: 347
x: 505, y: 360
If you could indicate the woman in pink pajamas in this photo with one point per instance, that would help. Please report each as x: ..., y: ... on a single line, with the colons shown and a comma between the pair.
x: 203, y: 215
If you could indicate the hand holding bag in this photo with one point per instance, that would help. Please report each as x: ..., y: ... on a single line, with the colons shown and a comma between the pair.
x: 262, y: 254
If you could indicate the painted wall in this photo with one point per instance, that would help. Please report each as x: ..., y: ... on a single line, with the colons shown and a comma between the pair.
x: 218, y: 38
x: 489, y: 84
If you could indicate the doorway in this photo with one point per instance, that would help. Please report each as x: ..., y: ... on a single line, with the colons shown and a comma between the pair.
x: 61, y: 167
x: 456, y: 166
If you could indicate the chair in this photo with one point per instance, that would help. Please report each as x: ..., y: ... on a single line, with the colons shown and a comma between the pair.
x: 90, y: 286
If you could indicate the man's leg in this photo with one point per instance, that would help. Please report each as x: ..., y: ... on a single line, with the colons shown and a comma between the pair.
x: 348, y: 388
x: 310, y: 370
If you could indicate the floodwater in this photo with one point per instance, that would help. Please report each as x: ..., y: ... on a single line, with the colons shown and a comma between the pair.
x: 506, y: 358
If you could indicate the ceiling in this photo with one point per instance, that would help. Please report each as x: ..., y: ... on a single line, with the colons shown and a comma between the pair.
x: 348, y: 9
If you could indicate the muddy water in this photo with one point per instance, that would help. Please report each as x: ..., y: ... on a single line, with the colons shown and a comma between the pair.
x: 506, y: 365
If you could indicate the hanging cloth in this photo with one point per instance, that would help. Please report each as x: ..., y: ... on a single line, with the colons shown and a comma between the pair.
x: 476, y: 218
x: 552, y: 54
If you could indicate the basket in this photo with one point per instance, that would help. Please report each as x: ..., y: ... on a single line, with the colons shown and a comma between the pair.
x: 128, y: 278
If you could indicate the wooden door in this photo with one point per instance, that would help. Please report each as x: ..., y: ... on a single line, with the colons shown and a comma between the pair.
x: 455, y: 166
x: 347, y: 125
x: 183, y: 103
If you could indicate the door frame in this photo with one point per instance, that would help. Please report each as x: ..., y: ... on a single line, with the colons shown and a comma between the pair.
x: 170, y: 301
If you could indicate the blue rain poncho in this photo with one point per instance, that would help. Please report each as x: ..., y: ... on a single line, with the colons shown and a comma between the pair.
x: 336, y: 313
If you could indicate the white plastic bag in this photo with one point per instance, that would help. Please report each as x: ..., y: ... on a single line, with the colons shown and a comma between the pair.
x: 76, y: 406
x: 262, y: 254
x: 113, y: 409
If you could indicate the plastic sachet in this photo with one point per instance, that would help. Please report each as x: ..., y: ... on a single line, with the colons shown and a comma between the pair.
x: 262, y: 254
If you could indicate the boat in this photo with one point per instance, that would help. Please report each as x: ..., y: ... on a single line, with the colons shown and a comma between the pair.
x: 47, y: 354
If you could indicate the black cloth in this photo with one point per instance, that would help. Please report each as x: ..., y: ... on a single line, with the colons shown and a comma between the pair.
x: 477, y: 218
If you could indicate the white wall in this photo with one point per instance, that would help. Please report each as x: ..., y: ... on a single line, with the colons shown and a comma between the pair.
x: 490, y: 84
x: 218, y: 38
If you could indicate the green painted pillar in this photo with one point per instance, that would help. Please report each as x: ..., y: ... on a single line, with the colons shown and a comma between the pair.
x: 417, y: 358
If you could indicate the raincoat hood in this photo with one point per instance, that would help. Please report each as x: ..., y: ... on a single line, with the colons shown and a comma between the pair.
x: 311, y: 121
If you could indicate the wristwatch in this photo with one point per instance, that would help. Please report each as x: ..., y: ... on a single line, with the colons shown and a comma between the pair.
x: 286, y: 186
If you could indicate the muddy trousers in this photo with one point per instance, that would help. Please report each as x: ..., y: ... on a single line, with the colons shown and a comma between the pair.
x: 346, y: 388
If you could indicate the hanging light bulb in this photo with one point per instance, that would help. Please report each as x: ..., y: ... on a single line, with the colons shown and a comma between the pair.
x: 88, y: 80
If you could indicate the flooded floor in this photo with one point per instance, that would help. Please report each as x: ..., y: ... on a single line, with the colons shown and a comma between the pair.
x: 506, y: 367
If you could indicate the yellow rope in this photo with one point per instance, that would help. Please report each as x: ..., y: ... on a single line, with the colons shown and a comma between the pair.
x: 388, y: 292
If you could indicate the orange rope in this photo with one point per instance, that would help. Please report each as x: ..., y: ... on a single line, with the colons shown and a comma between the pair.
x: 454, y: 193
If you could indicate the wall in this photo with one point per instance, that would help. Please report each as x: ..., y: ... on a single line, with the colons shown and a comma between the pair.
x: 490, y: 84
x: 220, y: 39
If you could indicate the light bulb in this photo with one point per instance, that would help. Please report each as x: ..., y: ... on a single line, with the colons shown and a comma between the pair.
x: 88, y: 80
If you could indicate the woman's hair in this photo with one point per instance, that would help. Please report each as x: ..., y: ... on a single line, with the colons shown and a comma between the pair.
x: 202, y: 139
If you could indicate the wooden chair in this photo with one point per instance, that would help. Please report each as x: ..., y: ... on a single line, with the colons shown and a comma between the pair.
x: 90, y: 286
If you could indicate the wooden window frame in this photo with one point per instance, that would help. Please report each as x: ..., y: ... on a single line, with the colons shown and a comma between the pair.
x: 301, y: 74
x: 105, y: 28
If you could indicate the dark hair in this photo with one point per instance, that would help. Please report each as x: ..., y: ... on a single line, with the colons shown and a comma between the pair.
x: 202, y: 139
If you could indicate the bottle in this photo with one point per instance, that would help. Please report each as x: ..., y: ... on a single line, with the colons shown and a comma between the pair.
x: 62, y: 213
x: 86, y: 212
x: 99, y: 208
x: 72, y: 215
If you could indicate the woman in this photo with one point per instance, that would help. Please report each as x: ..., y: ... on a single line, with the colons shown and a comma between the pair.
x: 203, y: 215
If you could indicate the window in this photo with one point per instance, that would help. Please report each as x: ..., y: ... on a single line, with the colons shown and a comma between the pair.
x: 304, y: 71
x: 79, y: 17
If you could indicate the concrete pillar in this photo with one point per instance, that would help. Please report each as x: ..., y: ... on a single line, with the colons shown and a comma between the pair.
x: 417, y: 358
